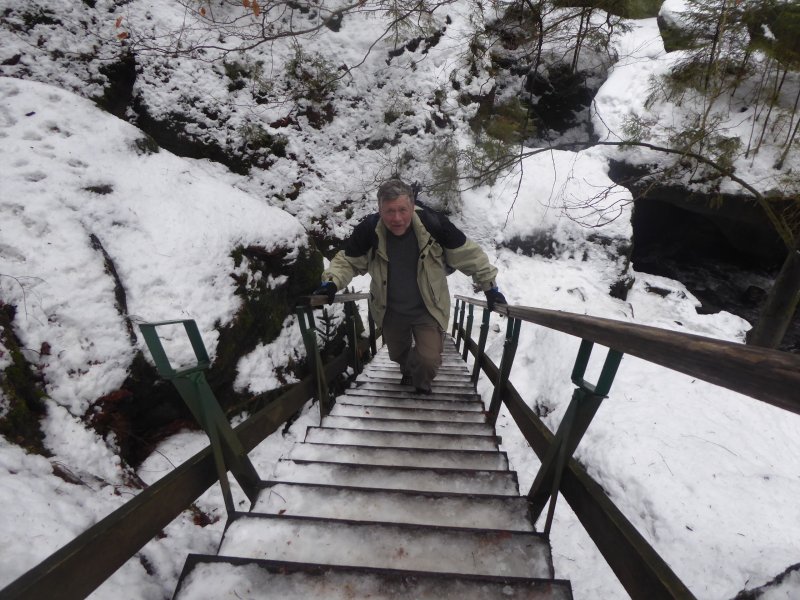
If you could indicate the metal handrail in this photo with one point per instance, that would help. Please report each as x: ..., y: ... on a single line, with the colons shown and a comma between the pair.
x: 767, y: 375
x: 75, y: 570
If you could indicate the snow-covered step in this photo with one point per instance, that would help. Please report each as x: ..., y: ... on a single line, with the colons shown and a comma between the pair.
x: 401, y: 457
x: 391, y: 439
x: 474, y: 405
x: 222, y: 578
x: 343, y: 409
x: 437, y: 394
x: 450, y: 510
x: 454, y: 481
x: 448, y: 363
x: 444, y: 388
x: 421, y: 426
x: 384, y: 377
x: 383, y: 545
x: 454, y: 366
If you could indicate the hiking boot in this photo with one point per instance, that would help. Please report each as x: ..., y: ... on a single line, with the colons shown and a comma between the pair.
x: 423, y: 390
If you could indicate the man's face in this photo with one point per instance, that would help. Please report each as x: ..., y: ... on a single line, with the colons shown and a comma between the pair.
x: 396, y: 214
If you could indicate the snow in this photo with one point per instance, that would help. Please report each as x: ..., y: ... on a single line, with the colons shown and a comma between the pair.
x: 229, y: 582
x: 382, y: 545
x: 708, y: 476
x: 408, y: 478
x: 483, y: 512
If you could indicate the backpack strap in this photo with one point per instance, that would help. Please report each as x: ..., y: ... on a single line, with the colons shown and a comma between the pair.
x: 364, y: 238
x: 441, y: 228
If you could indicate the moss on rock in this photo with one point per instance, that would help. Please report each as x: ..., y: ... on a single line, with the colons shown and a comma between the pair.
x: 22, y: 386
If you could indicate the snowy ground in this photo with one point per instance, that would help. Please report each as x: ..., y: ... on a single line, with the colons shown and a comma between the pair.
x: 710, y: 478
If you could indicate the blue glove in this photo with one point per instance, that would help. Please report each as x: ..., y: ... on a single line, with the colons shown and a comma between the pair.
x: 328, y: 289
x: 494, y: 297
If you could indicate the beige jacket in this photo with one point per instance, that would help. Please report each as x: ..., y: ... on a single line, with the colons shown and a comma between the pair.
x: 365, y: 254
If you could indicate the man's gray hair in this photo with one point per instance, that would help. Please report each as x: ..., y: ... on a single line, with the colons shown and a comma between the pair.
x: 394, y: 188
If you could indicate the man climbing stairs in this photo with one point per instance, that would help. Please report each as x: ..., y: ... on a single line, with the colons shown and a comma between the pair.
x: 394, y: 495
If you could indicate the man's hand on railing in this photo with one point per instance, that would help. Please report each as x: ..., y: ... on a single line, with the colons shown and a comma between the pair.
x: 328, y: 289
x: 493, y: 297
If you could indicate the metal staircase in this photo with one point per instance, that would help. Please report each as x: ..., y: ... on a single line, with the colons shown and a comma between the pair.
x: 395, y: 495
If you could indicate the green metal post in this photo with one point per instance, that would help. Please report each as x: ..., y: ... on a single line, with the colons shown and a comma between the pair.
x: 586, y: 400
x: 467, y: 334
x: 455, y: 317
x: 308, y: 330
x: 373, y: 348
x: 229, y: 454
x: 352, y: 336
x: 509, y: 352
x: 476, y: 368
x: 459, y: 329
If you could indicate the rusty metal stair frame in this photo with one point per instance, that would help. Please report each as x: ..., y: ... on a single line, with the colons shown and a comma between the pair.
x: 416, y: 500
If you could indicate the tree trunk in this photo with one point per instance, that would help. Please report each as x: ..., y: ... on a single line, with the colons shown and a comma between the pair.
x: 780, y: 306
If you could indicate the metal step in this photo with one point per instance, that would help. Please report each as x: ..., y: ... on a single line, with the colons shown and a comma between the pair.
x: 457, y: 481
x: 379, y: 376
x: 401, y: 457
x: 436, y: 387
x: 386, y: 368
x: 395, y: 506
x: 219, y: 577
x: 388, y: 545
x: 410, y: 425
x: 392, y: 439
x: 347, y: 409
x: 401, y: 393
x: 454, y: 364
x: 415, y: 402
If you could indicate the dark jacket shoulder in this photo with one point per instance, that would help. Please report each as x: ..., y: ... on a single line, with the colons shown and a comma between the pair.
x: 441, y: 228
x: 364, y: 238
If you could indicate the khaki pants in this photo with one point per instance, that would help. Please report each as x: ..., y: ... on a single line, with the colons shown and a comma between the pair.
x: 422, y: 360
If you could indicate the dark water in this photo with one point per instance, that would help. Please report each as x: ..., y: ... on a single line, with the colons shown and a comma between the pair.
x: 689, y: 248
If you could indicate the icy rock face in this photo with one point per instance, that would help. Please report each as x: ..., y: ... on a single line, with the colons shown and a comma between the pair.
x: 101, y: 226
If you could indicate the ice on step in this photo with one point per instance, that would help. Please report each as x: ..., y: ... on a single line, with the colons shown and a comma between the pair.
x: 395, y: 388
x: 223, y: 581
x: 497, y: 553
x: 377, y: 424
x: 395, y: 507
x: 439, y: 459
x: 399, y: 440
x: 399, y: 478
x: 405, y: 392
x: 366, y: 399
x: 344, y: 409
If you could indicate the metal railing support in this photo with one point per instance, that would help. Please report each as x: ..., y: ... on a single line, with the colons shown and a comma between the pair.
x: 476, y: 368
x: 459, y: 328
x: 642, y: 572
x: 467, y: 334
x: 507, y: 360
x: 196, y: 393
x: 352, y: 337
x: 373, y: 346
x: 308, y: 330
x: 586, y: 400
x: 455, y: 317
